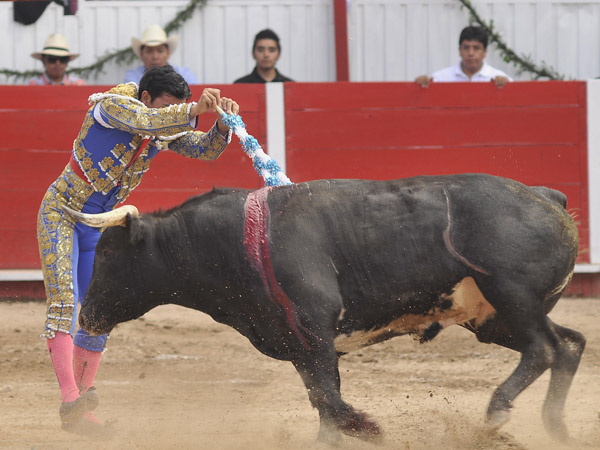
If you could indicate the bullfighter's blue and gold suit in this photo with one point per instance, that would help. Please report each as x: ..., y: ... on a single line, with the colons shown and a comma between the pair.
x: 110, y: 152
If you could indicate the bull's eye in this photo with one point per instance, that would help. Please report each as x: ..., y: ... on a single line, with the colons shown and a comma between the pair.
x: 107, y: 252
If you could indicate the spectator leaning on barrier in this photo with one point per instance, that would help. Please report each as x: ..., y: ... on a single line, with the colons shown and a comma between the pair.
x: 266, y: 51
x: 56, y: 57
x: 472, y: 47
x: 155, y: 49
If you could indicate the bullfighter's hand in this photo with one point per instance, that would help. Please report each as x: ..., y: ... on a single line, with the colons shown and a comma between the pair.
x: 230, y: 107
x: 208, y: 101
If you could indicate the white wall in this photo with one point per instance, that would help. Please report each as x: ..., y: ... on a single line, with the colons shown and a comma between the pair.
x: 593, y: 118
x: 389, y: 40
x: 215, y: 43
x: 397, y: 40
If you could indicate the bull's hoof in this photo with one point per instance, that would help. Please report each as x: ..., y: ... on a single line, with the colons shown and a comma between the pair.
x: 495, y: 419
x: 556, y: 427
x: 329, y: 435
x: 360, y: 426
x: 71, y: 412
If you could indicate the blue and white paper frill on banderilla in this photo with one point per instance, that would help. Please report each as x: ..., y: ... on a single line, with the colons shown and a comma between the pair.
x: 266, y: 166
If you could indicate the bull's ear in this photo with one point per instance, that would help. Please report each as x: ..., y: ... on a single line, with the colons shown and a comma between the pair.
x: 137, y: 229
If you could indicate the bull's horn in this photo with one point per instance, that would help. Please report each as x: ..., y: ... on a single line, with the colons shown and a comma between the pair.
x: 107, y: 219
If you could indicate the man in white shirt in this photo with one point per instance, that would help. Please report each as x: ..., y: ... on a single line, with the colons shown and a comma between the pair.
x: 472, y: 47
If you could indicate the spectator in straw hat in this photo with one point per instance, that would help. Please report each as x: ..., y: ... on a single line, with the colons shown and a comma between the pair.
x: 56, y: 57
x: 155, y: 49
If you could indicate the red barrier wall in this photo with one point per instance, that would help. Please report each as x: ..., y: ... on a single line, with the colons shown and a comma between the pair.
x: 39, y: 125
x: 533, y: 132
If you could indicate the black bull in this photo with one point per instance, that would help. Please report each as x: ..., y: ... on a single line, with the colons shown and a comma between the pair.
x: 311, y: 271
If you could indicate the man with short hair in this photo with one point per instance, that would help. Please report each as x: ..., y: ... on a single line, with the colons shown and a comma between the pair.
x: 56, y: 57
x: 155, y: 49
x: 472, y: 47
x: 266, y: 52
x: 122, y: 132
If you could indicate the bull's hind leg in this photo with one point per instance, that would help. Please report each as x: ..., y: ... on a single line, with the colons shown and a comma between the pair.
x: 543, y: 345
x: 322, y: 380
x: 567, y: 356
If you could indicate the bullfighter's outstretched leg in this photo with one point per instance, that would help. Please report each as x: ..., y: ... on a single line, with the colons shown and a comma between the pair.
x: 322, y: 380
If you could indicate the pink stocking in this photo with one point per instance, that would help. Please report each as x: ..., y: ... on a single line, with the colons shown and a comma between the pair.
x: 86, y: 365
x: 91, y: 417
x: 61, y: 354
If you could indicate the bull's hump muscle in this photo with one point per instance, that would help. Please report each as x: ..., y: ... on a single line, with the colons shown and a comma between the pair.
x: 467, y: 303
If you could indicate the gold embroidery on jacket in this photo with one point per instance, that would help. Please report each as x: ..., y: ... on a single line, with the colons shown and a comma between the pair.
x: 132, y: 176
x: 196, y: 144
x: 132, y: 118
x: 127, y: 116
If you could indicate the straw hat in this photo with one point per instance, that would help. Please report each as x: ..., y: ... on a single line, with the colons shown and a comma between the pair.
x: 153, y: 36
x: 56, y: 45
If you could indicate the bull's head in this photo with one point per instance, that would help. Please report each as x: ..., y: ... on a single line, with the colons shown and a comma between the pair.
x: 119, y: 278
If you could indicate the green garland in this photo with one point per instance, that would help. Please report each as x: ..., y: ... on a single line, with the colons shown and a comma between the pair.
x: 125, y: 55
x: 522, y: 63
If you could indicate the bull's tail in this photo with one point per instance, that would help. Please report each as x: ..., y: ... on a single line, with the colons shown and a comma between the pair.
x: 558, y: 198
x: 449, y: 244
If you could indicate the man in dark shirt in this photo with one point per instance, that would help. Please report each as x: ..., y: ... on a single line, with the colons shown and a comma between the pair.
x: 266, y: 52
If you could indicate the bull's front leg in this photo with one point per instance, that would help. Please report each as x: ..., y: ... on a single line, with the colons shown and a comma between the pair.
x: 319, y: 371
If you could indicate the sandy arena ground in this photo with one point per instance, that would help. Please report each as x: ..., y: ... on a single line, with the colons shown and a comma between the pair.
x: 175, y: 379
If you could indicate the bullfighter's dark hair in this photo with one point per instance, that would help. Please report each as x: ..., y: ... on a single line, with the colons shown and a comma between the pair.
x: 473, y: 33
x: 267, y: 33
x: 164, y: 80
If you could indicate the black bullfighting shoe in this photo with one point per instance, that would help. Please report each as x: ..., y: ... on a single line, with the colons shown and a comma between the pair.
x: 71, y: 412
x: 86, y: 427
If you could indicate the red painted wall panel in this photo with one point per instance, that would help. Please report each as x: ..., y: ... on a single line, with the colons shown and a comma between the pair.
x: 39, y: 125
x: 533, y: 132
x: 349, y: 96
x: 536, y: 164
x: 390, y: 128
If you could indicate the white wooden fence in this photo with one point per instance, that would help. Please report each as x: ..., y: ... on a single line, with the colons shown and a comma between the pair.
x: 395, y: 40
x: 389, y: 40
x: 216, y: 43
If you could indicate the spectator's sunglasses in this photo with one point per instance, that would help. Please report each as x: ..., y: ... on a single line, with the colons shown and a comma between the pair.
x: 52, y: 59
